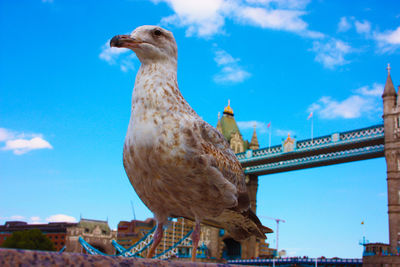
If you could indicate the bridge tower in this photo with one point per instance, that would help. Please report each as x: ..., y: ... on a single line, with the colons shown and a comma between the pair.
x: 228, y: 127
x: 391, y: 118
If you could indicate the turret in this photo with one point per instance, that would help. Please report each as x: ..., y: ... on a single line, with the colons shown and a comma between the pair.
x: 391, y: 120
x: 389, y: 94
x: 389, y: 108
x: 254, y: 140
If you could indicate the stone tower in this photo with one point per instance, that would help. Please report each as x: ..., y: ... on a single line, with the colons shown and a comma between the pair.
x: 391, y: 118
x: 228, y: 127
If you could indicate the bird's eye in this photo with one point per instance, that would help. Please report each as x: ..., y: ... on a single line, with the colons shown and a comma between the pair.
x: 157, y: 33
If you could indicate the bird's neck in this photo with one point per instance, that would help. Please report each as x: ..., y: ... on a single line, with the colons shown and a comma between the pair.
x: 156, y: 86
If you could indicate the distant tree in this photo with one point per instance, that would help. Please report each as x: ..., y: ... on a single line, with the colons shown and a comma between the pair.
x: 29, y: 239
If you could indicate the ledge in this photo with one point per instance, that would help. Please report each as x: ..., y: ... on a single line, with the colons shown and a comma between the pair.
x: 18, y: 257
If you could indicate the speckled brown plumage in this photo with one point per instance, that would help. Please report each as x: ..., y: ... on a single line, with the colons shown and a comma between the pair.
x: 178, y: 164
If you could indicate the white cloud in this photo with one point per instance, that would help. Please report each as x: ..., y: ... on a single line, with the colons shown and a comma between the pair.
x: 35, y: 220
x: 207, y: 17
x: 22, y: 146
x: 223, y: 58
x: 288, y: 20
x: 344, y: 25
x: 231, y: 74
x: 365, y: 100
x: 38, y: 220
x: 231, y: 71
x: 202, y: 18
x: 246, y: 125
x: 331, y: 53
x: 388, y: 41
x: 17, y: 218
x: 375, y: 90
x: 5, y: 134
x: 363, y: 27
x: 21, y: 143
x: 60, y: 218
x: 350, y: 108
x: 112, y: 56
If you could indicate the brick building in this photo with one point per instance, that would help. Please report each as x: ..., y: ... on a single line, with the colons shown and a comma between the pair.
x: 56, y: 231
x: 131, y: 232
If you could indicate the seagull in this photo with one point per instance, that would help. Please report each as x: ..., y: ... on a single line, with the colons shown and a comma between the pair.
x: 178, y: 164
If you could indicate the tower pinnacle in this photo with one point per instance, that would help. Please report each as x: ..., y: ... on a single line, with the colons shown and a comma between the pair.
x: 254, y: 140
x: 228, y: 110
x: 389, y: 88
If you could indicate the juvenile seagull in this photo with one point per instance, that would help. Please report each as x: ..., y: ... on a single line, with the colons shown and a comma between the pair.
x: 179, y: 165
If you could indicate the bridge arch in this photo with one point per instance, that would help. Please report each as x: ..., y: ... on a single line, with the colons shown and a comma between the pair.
x: 99, y: 247
x: 232, y: 249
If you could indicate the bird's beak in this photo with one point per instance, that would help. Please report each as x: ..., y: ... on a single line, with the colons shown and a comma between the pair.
x: 126, y: 41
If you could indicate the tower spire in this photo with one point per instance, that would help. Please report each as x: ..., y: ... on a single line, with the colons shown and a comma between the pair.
x: 228, y: 110
x: 389, y: 87
x: 254, y: 140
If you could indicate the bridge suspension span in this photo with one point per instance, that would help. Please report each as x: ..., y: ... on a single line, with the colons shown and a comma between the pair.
x: 140, y: 247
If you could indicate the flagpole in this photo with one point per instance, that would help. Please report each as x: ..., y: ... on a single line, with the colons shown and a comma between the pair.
x: 312, y: 127
x: 269, y: 146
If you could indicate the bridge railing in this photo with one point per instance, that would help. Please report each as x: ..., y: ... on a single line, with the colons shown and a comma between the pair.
x: 331, y: 156
x: 302, y: 261
x: 361, y: 133
x: 260, y: 152
x: 368, y: 133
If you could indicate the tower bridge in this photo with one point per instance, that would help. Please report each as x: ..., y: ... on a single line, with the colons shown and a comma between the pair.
x: 339, y: 147
x: 360, y: 144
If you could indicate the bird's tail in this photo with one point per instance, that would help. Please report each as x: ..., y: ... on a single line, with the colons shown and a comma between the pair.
x: 240, y: 225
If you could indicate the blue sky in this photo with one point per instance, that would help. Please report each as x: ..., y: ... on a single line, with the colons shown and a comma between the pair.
x: 65, y: 104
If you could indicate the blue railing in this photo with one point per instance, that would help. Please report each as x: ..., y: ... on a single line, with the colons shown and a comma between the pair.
x: 332, y: 156
x: 335, y: 139
x: 121, y: 249
x: 304, y: 262
x: 175, y: 245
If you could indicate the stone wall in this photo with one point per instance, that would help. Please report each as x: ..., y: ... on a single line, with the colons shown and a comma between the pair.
x: 381, y: 261
x: 15, y: 257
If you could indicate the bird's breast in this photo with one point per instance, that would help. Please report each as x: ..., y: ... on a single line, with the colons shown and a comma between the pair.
x: 154, y: 137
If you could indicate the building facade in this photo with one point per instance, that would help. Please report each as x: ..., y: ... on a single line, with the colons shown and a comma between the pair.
x: 56, y: 232
x: 128, y: 233
x: 96, y: 232
x: 252, y: 247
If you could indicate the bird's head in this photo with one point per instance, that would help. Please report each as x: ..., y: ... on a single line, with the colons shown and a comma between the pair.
x: 150, y: 43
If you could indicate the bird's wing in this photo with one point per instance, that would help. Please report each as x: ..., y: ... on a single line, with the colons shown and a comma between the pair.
x: 240, y: 221
x: 215, y: 144
x: 216, y: 148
